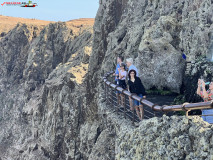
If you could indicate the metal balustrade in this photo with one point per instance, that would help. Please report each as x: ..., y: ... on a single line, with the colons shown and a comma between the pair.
x: 149, y: 109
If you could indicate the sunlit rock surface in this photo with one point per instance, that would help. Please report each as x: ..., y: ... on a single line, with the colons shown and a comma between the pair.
x: 153, y: 32
x: 43, y: 90
x: 51, y: 93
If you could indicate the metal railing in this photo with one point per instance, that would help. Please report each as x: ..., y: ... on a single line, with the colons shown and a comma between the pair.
x: 149, y: 109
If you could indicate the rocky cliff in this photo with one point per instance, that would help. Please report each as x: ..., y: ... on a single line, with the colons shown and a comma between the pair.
x: 154, y: 33
x: 43, y: 90
x: 51, y: 93
x: 166, y: 138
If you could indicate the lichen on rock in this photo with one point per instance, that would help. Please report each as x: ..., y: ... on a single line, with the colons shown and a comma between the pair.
x: 166, y: 138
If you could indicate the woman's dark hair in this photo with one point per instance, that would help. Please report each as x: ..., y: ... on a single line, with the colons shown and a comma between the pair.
x: 132, y: 70
x: 121, y: 58
x: 123, y: 65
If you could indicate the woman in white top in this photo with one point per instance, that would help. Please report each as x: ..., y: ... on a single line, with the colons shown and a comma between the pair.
x: 122, y: 80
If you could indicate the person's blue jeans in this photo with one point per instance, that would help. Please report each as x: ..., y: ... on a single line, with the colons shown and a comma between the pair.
x: 137, y: 103
x: 208, y: 119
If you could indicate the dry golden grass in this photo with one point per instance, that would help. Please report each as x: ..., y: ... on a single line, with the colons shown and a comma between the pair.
x: 78, y: 25
x: 7, y: 23
x: 81, y: 21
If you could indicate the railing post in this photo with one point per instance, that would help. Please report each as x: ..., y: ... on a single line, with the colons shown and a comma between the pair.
x: 142, y: 112
x: 187, y: 113
x: 112, y: 102
x: 133, y: 120
x: 107, y: 97
x: 124, y: 106
x: 165, y: 113
x: 117, y: 103
x: 131, y: 105
x: 154, y: 114
x: 105, y: 94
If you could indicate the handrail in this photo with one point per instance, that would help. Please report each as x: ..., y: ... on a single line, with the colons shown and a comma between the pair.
x: 184, y: 107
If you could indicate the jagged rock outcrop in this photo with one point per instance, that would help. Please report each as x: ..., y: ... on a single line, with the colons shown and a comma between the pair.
x: 153, y: 32
x: 166, y: 138
x: 43, y: 90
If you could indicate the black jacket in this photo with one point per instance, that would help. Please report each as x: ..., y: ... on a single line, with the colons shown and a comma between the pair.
x: 137, y: 86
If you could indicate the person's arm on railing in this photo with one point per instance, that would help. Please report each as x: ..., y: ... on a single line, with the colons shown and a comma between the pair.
x: 128, y: 88
x: 199, y: 87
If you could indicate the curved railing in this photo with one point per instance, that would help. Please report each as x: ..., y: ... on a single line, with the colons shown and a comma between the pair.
x: 154, y: 107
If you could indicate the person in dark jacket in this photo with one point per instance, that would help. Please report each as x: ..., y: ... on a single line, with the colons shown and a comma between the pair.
x: 136, y: 86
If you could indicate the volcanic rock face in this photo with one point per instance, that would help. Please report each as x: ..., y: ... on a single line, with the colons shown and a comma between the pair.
x: 51, y: 93
x: 153, y: 33
x: 166, y: 138
x: 43, y: 90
